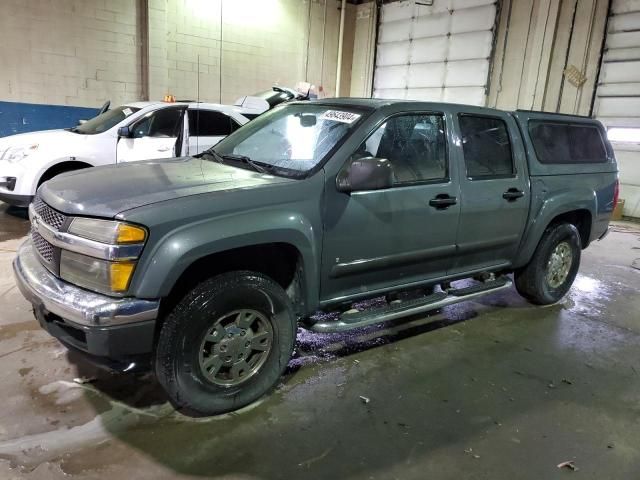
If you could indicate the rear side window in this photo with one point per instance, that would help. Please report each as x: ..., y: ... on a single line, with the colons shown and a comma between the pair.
x: 207, y: 123
x: 567, y: 143
x: 486, y: 146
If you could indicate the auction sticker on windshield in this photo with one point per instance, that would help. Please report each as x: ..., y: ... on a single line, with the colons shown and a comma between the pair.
x: 127, y: 112
x: 340, y: 116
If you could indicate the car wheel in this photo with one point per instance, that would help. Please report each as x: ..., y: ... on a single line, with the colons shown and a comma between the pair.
x: 226, y: 343
x: 551, y: 271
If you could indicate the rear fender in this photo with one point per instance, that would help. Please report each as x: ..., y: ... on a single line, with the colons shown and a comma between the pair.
x: 545, y: 206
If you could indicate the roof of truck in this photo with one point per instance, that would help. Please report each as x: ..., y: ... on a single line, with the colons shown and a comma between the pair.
x: 375, y: 103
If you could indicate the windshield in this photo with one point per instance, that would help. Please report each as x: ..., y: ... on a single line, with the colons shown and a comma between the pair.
x: 104, y: 122
x: 291, y: 139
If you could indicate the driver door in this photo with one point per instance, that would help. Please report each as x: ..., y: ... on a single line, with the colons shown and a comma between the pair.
x: 380, y: 239
x: 159, y: 134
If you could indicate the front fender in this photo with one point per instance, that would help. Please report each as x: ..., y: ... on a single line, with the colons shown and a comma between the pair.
x: 169, y: 257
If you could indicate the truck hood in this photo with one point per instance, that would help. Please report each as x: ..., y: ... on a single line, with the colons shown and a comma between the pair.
x: 107, y: 191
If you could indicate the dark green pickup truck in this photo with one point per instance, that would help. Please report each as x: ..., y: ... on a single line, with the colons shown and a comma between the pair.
x: 203, y: 268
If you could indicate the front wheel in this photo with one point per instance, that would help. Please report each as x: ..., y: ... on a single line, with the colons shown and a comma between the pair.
x: 551, y: 271
x: 226, y: 343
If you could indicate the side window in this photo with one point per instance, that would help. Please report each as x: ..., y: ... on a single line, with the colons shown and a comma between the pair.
x: 567, y: 143
x: 486, y: 146
x: 162, y: 123
x: 208, y: 123
x: 414, y: 144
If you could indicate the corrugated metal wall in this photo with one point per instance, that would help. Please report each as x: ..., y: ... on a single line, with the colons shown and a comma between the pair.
x: 547, y: 55
x: 437, y: 53
x: 618, y: 95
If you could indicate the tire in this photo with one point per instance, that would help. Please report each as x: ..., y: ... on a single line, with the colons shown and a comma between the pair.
x: 535, y: 282
x: 190, y: 341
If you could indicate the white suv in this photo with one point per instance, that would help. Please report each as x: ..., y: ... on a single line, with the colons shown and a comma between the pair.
x: 137, y: 131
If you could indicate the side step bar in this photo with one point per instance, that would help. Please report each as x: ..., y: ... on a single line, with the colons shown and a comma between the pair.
x: 407, y: 308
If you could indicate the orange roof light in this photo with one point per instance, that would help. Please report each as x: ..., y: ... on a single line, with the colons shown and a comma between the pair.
x: 169, y: 99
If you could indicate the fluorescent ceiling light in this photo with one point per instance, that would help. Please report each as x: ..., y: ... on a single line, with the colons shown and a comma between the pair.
x: 624, y: 134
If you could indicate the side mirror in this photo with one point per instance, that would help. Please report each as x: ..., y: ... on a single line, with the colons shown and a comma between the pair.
x: 366, y: 173
x: 124, y: 132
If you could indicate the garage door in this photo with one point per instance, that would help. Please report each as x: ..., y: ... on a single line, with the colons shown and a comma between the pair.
x: 438, y: 52
x: 617, y: 102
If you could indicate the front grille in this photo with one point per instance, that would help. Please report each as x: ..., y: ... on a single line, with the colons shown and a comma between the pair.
x: 44, y: 248
x: 48, y: 215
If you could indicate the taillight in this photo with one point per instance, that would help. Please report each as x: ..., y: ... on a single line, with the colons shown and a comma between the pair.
x: 616, y: 193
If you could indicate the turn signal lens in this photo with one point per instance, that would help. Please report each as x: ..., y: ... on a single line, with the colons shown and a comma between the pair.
x: 130, y: 234
x: 107, y: 231
x: 121, y: 273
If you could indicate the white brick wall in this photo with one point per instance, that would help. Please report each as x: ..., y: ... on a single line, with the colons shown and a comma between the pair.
x: 83, y: 52
x: 69, y: 52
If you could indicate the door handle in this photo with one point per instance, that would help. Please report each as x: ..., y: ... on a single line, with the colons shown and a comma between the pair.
x: 442, y: 201
x: 513, y: 194
x: 164, y: 149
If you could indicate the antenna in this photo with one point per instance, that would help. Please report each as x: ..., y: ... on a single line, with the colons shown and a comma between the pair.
x: 198, y: 110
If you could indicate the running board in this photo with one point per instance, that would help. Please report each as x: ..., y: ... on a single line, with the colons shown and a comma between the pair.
x: 348, y: 321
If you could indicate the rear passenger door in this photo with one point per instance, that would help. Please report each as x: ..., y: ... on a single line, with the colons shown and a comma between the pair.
x: 207, y: 128
x: 494, y: 190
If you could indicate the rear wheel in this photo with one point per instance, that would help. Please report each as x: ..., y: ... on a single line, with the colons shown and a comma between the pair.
x: 226, y: 343
x: 551, y: 271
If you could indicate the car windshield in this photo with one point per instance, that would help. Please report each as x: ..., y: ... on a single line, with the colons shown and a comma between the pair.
x: 105, y: 121
x: 290, y: 140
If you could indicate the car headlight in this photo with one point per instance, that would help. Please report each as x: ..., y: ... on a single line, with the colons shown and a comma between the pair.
x: 98, y: 274
x: 107, y: 231
x: 94, y: 274
x: 16, y: 154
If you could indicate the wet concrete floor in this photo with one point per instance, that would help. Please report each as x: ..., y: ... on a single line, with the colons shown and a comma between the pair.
x: 494, y: 388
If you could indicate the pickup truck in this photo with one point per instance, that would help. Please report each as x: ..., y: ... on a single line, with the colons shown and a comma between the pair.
x: 203, y: 268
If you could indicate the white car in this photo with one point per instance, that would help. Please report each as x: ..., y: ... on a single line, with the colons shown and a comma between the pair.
x: 137, y: 131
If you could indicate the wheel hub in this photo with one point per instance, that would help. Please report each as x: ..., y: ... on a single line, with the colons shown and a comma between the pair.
x: 236, y: 344
x: 559, y: 264
x: 235, y: 347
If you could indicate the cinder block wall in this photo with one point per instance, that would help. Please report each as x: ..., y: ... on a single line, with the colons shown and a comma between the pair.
x: 82, y: 52
x: 69, y: 52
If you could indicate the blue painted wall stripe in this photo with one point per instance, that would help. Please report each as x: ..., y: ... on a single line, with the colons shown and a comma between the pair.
x: 29, y: 117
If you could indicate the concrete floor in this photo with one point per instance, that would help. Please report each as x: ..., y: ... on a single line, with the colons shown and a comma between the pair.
x: 495, y: 388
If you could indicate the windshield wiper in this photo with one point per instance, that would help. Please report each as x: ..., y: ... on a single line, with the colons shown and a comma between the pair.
x: 258, y: 167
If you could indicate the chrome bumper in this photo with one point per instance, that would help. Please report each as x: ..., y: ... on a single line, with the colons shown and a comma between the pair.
x: 72, y: 303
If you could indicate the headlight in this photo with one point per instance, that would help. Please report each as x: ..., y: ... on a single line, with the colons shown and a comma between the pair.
x: 17, y: 154
x: 93, y: 271
x: 107, y: 231
x: 94, y: 274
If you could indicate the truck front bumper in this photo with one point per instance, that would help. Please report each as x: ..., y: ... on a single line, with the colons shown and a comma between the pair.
x: 114, y: 332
